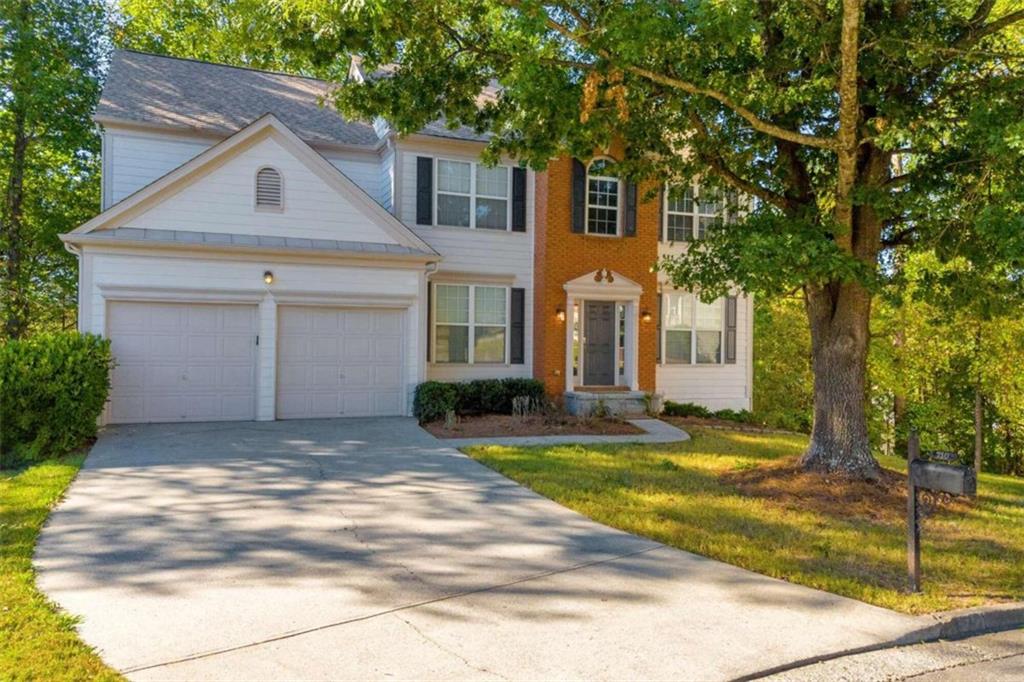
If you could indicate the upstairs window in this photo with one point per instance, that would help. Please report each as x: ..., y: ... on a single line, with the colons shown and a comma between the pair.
x: 269, y: 192
x: 689, y: 214
x: 472, y: 195
x: 602, y: 199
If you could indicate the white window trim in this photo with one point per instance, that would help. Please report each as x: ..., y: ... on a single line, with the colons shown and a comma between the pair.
x: 696, y: 214
x: 471, y: 323
x: 473, y: 196
x: 693, y: 333
x: 586, y: 203
x: 255, y: 191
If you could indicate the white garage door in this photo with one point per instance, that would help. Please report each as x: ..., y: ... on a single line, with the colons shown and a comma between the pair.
x: 339, y: 362
x: 182, y: 362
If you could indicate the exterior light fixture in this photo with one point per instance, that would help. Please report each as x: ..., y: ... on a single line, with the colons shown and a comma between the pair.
x: 268, y: 277
x: 560, y: 314
x: 646, y: 316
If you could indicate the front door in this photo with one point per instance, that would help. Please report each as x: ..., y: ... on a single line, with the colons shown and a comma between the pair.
x: 599, y: 343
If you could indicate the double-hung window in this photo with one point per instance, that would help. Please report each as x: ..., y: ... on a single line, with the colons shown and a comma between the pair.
x: 689, y: 214
x: 473, y: 195
x: 470, y: 323
x: 692, y: 330
x: 602, y: 199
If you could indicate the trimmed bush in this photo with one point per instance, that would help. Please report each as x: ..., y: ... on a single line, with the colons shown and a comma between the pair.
x: 674, y: 409
x: 741, y: 416
x: 434, y: 399
x: 52, y: 389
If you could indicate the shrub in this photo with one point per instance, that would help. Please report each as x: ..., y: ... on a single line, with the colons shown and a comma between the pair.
x: 742, y: 416
x: 52, y: 389
x: 433, y: 400
x: 674, y: 409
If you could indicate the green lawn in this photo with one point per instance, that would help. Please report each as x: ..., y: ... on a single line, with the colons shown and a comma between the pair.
x: 39, y: 642
x: 972, y: 553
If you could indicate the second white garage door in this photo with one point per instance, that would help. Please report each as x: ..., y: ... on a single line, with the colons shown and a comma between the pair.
x: 339, y: 362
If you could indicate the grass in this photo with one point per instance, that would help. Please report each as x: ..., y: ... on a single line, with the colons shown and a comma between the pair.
x: 678, y: 494
x: 39, y: 641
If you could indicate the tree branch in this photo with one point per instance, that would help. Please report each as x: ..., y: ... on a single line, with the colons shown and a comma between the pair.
x: 756, y: 122
x: 988, y: 29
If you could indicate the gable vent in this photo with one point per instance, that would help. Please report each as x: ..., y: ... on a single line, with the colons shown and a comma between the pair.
x: 268, y: 188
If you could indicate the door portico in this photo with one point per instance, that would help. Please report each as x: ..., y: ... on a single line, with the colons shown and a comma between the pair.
x: 603, y: 322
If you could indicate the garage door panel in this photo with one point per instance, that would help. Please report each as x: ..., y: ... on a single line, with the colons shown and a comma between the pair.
x: 182, y: 362
x: 332, y: 362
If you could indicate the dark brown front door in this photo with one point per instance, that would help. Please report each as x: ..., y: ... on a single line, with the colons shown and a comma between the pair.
x: 599, y: 346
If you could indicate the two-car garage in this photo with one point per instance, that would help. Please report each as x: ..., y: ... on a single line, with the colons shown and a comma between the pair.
x: 200, y: 361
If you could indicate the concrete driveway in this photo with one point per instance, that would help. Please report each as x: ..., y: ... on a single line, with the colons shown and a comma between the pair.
x: 364, y: 549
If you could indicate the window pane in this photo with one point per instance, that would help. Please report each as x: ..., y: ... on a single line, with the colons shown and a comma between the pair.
x: 603, y: 192
x: 709, y: 347
x: 678, y: 311
x: 453, y: 176
x: 705, y: 224
x: 680, y: 227
x: 709, y: 315
x: 709, y: 206
x: 680, y: 200
x: 489, y: 305
x: 677, y: 346
x: 452, y: 304
x: 452, y: 344
x: 492, y: 214
x: 452, y: 210
x: 489, y: 344
x: 492, y: 182
x: 602, y: 220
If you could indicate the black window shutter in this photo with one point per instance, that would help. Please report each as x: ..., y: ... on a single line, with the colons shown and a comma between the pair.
x: 661, y: 214
x: 517, y: 349
x: 629, y: 222
x: 657, y: 327
x: 579, y: 196
x: 430, y: 334
x: 424, y: 190
x: 519, y: 200
x: 730, y: 330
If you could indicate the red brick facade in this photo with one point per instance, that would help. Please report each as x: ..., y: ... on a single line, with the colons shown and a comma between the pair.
x: 560, y: 255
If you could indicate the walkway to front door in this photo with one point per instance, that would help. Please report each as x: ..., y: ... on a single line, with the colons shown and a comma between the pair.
x: 599, y: 343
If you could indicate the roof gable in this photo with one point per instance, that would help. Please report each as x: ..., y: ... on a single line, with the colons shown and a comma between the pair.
x: 214, y: 193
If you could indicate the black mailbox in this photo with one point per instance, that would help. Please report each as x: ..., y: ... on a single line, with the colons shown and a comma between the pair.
x: 947, y: 478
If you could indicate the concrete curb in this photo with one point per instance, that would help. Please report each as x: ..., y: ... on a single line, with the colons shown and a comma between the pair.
x: 947, y: 625
x: 656, y: 430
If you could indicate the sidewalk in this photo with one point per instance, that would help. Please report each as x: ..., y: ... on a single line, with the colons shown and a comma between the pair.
x: 657, y: 431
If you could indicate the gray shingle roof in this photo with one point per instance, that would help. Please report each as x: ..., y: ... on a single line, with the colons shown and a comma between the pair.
x: 220, y: 239
x: 220, y: 99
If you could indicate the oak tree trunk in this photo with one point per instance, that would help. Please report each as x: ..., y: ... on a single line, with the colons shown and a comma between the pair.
x: 838, y: 314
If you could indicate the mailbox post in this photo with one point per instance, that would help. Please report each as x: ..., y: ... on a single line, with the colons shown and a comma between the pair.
x: 940, y: 476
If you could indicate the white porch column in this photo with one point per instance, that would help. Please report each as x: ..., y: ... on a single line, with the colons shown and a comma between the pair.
x: 266, y: 371
x: 632, y: 344
x: 570, y: 301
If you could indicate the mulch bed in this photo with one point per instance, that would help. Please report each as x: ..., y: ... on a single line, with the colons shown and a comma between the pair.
x: 503, y: 425
x: 835, y: 495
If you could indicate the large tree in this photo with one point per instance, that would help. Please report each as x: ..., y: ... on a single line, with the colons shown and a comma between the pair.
x: 50, y: 58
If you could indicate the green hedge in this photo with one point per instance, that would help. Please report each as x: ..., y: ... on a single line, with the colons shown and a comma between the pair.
x: 52, y: 389
x: 674, y: 409
x: 434, y: 399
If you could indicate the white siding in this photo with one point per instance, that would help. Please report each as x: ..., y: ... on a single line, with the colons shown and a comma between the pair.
x: 714, y: 386
x: 130, y: 275
x: 223, y: 201
x: 132, y: 159
x: 508, y: 254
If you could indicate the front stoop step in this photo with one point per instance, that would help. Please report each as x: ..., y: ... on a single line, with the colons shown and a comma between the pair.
x: 619, y: 403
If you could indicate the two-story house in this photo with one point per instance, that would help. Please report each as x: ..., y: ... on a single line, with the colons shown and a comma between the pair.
x: 260, y: 257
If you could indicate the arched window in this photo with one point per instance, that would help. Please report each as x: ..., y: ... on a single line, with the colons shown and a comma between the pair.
x: 269, y: 191
x: 602, y: 198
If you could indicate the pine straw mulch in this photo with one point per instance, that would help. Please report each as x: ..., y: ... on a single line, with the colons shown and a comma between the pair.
x: 835, y: 495
x: 503, y: 425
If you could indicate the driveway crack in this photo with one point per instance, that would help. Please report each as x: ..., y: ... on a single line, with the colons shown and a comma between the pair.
x: 440, y: 647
